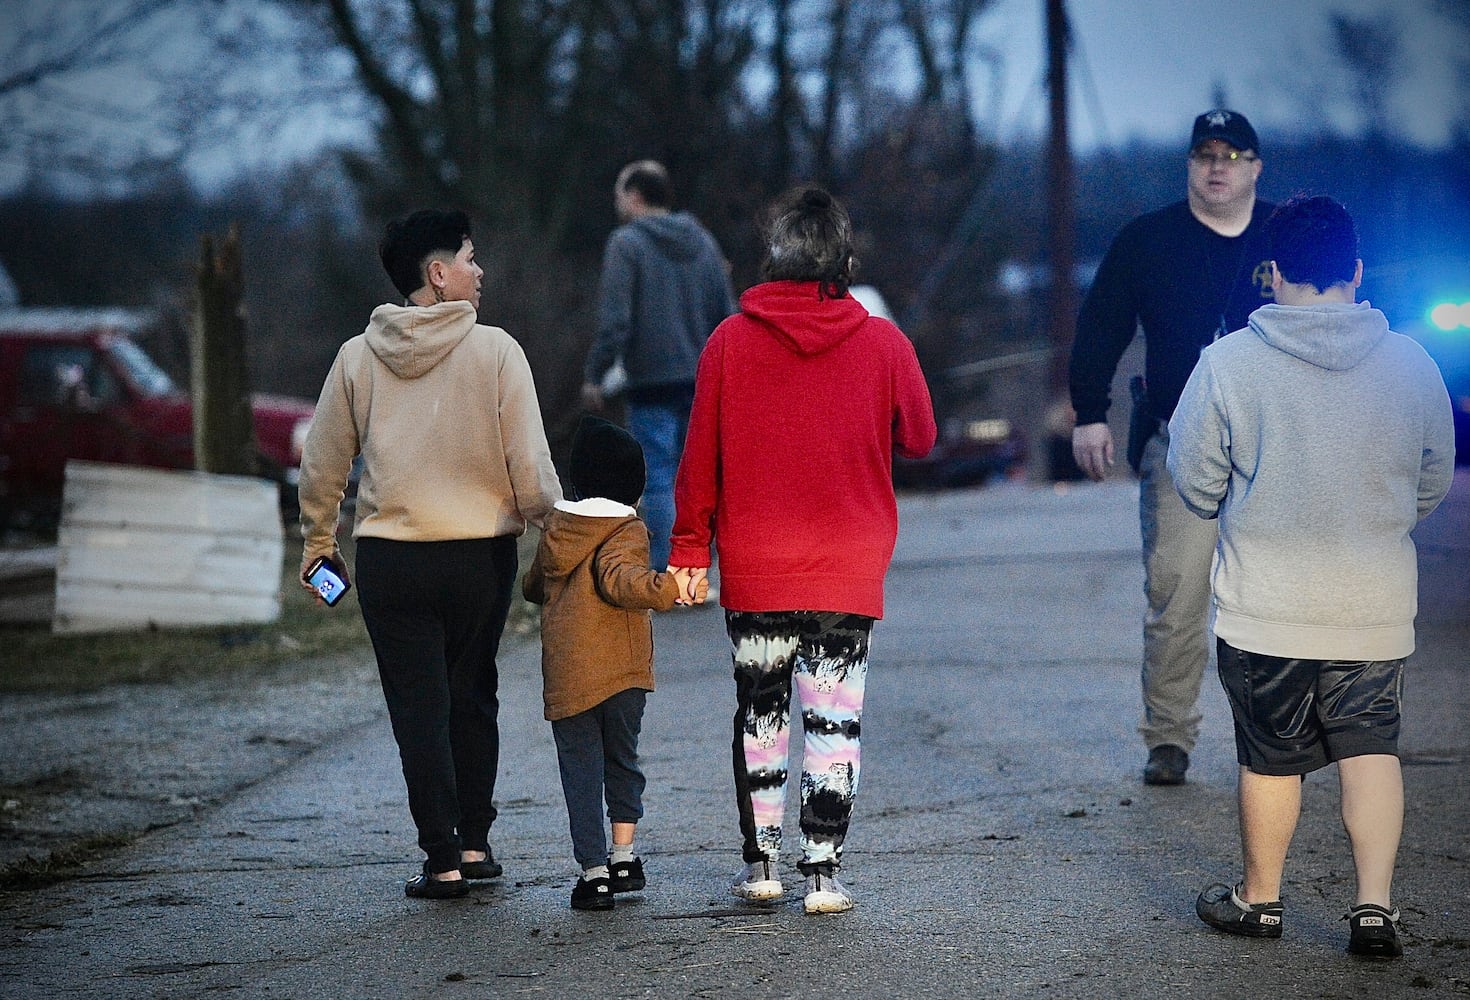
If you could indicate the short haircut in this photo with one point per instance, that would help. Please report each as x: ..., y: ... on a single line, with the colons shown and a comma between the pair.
x: 1313, y: 242
x: 650, y: 180
x: 808, y: 237
x: 408, y: 243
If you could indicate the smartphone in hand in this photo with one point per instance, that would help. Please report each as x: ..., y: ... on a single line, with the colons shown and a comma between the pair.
x: 326, y: 580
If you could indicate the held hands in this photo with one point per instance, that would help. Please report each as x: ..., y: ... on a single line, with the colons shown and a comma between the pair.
x: 693, y: 584
x: 1092, y: 449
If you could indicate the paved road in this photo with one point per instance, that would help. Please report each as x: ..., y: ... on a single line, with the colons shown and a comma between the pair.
x: 1002, y: 846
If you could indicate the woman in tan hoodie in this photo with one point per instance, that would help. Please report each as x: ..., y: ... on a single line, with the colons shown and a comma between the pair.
x: 443, y: 412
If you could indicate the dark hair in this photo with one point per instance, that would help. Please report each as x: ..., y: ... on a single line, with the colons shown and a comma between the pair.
x: 809, y: 238
x: 1313, y: 241
x: 408, y: 243
x: 651, y: 181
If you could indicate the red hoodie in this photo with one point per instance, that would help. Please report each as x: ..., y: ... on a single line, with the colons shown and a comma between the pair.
x: 799, y: 404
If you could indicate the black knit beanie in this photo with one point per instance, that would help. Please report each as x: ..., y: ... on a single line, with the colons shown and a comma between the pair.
x: 606, y: 462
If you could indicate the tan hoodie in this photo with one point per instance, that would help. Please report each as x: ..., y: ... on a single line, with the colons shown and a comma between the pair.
x: 444, y: 413
x: 591, y: 573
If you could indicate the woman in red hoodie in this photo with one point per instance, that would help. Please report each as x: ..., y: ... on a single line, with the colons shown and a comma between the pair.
x: 800, y: 400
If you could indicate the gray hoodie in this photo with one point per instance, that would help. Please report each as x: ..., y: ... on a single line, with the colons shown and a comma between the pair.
x: 1319, y: 438
x: 664, y: 290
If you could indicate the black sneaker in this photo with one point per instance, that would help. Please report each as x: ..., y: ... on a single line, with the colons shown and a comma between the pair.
x: 425, y: 886
x: 1166, y: 765
x: 1374, y: 931
x: 627, y: 876
x: 1222, y: 908
x: 489, y: 868
x: 592, y: 894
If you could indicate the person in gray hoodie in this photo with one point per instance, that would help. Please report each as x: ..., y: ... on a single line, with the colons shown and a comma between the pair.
x: 664, y: 289
x: 1318, y: 438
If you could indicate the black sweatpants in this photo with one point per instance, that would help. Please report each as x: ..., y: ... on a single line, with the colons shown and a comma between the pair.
x: 435, y: 612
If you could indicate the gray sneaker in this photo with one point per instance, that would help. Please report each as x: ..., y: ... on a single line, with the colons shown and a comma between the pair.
x: 1221, y: 907
x: 824, y: 894
x: 758, y: 883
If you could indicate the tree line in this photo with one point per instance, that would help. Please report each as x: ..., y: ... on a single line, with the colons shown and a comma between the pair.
x: 522, y: 112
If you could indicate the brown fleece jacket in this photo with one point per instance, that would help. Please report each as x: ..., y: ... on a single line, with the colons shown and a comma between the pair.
x: 591, y: 574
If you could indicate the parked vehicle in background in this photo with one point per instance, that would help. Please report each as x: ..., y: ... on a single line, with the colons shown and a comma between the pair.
x: 968, y: 452
x: 1449, y: 345
x: 977, y: 440
x: 74, y: 384
x: 1427, y: 297
x: 1446, y: 336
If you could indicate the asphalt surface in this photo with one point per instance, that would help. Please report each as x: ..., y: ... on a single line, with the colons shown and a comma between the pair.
x: 1002, y: 844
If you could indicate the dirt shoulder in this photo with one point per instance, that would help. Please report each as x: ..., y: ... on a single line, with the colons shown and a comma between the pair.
x: 93, y: 770
x: 131, y: 732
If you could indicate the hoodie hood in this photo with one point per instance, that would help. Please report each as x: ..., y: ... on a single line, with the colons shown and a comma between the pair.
x: 580, y: 528
x: 676, y: 235
x: 1333, y: 336
x: 801, y: 316
x: 411, y: 340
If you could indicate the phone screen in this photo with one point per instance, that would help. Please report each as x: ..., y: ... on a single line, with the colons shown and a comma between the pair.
x: 327, y: 582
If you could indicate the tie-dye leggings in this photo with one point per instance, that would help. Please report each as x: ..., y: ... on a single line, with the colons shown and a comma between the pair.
x: 827, y: 653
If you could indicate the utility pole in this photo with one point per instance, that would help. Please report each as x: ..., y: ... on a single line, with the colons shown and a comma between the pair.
x: 224, y: 432
x: 1053, y: 459
x: 1061, y: 212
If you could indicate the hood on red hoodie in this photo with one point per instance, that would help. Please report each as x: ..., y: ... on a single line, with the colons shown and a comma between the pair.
x: 803, y: 317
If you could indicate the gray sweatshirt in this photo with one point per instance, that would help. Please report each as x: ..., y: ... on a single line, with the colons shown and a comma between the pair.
x: 664, y: 290
x: 1319, y: 438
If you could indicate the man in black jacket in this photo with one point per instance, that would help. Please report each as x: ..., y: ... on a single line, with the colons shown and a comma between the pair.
x: 1187, y: 274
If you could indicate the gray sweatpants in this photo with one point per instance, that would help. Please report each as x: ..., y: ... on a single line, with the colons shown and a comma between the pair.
x: 597, y: 751
x: 1178, y: 547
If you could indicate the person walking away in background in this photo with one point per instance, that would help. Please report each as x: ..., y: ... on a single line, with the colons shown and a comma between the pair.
x: 664, y: 287
x: 1318, y: 439
x: 801, y: 400
x: 1186, y: 275
x: 443, y: 412
x: 591, y: 574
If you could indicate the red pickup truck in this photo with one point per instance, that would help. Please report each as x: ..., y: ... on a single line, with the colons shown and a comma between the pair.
x: 74, y: 384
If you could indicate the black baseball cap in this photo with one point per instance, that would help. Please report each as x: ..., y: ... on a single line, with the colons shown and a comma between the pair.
x: 1227, y: 126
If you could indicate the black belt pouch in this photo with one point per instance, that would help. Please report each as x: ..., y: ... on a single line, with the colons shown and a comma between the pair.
x: 1142, y: 424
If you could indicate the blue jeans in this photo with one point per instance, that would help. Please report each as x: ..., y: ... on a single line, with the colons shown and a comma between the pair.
x: 660, y: 429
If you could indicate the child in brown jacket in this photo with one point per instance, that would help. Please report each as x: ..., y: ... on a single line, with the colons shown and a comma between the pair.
x: 591, y: 574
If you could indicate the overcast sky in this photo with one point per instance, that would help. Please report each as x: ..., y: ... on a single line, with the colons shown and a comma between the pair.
x: 1147, y: 67
x: 1142, y: 70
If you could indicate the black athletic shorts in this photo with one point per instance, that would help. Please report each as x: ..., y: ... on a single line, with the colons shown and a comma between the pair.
x: 1295, y: 716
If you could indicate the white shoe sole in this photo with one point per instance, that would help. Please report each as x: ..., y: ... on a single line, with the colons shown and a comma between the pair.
x: 757, y: 892
x: 827, y: 902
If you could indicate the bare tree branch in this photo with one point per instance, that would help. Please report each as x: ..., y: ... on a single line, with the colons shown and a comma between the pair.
x: 84, y: 52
